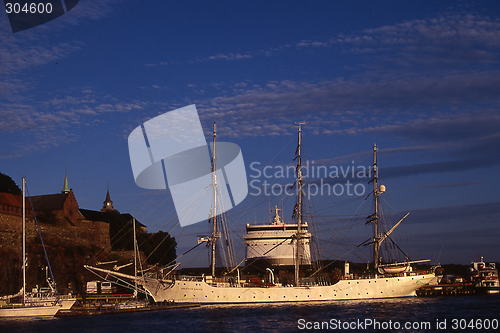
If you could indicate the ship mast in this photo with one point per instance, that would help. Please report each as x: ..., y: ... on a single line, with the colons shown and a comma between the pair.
x: 298, y: 206
x: 24, y: 239
x: 376, y: 214
x: 213, y: 239
x: 136, y: 294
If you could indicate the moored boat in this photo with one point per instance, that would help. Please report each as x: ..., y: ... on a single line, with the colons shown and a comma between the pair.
x: 39, y: 302
x: 484, y: 276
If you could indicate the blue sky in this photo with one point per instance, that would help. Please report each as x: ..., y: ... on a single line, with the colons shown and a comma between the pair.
x: 419, y: 79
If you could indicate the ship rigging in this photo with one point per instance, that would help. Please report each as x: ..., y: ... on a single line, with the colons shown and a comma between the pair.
x: 285, y: 243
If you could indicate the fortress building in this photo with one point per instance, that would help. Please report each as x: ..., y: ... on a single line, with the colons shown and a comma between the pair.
x: 73, y: 236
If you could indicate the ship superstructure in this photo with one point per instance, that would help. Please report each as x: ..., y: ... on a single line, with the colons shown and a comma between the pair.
x: 272, y: 244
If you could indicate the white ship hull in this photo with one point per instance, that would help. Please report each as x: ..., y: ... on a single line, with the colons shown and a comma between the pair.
x: 200, y: 292
x: 37, y: 310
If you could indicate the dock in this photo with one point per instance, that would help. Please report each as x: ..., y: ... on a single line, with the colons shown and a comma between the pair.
x: 106, y: 310
x: 452, y: 289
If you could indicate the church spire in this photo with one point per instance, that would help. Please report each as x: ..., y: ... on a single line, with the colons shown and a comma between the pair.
x: 108, y: 204
x: 66, y: 188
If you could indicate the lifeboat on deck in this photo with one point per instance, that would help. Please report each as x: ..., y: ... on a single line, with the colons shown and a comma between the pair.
x: 395, y: 268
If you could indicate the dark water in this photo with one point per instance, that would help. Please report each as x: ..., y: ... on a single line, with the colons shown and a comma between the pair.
x: 282, y: 317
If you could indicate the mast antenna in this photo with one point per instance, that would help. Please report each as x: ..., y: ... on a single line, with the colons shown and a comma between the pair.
x: 298, y: 205
x: 24, y: 239
x: 135, y: 259
x: 376, y: 214
x: 213, y: 239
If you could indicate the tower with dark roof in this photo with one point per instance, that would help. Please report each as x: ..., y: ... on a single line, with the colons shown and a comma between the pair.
x: 108, y: 204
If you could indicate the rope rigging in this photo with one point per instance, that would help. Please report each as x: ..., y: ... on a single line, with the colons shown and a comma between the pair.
x: 39, y: 232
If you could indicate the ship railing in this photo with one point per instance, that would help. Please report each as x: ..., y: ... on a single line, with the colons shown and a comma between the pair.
x: 373, y: 276
x: 197, y: 278
x: 311, y: 282
x: 225, y: 281
x: 41, y: 296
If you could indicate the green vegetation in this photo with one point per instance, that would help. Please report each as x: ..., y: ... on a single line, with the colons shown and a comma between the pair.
x: 7, y: 185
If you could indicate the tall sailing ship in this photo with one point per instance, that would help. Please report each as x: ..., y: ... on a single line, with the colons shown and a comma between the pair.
x: 285, y: 244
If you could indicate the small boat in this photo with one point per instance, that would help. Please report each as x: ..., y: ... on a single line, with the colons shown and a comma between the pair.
x: 395, y: 269
x: 484, y: 276
x: 36, y: 308
x: 40, y: 302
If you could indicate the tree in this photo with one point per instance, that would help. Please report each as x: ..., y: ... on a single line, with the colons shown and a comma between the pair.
x: 7, y: 185
x: 159, y: 247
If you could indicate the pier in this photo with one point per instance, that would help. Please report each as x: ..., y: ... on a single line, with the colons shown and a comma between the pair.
x: 117, y: 309
x: 452, y: 289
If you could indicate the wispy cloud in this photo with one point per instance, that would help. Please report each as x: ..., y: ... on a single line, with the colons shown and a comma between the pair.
x: 10, y: 88
x: 425, y: 106
x: 469, y: 132
x: 358, y: 105
x: 406, y: 84
x: 425, y: 42
x: 16, y: 56
x: 161, y: 63
x: 50, y: 122
x: 230, y: 56
x: 55, y: 121
x: 451, y: 39
x: 448, y: 185
x: 30, y: 48
x: 440, y: 167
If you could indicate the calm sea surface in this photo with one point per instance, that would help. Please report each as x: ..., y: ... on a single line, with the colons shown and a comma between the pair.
x: 287, y: 317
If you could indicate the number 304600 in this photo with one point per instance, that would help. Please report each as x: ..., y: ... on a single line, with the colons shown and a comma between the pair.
x: 475, y: 324
x: 28, y: 8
